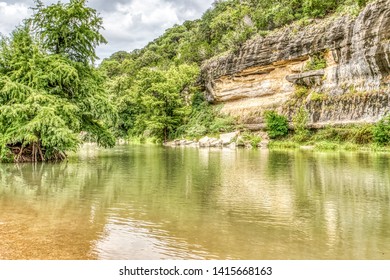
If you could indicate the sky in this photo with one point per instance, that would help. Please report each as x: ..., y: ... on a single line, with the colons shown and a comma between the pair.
x: 128, y: 24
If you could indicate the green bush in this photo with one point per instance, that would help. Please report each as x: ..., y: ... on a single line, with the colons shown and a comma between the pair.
x: 362, y: 134
x: 300, y: 121
x: 359, y: 134
x: 253, y: 139
x: 277, y: 125
x: 204, y: 119
x: 316, y: 62
x: 350, y: 147
x: 315, y: 96
x: 381, y: 131
x: 301, y: 91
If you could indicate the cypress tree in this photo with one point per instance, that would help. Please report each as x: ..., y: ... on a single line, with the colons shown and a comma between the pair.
x: 50, y: 93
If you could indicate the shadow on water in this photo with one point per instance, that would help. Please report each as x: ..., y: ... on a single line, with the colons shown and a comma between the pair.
x: 148, y: 202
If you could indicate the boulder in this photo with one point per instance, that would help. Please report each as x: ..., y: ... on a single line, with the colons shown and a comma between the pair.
x: 228, y: 138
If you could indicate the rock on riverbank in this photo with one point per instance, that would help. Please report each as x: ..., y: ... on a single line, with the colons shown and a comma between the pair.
x: 230, y: 140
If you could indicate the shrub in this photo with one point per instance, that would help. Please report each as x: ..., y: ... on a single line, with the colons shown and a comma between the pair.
x: 359, y: 134
x: 315, y: 96
x: 363, y: 134
x: 381, y: 131
x: 301, y: 91
x: 300, y: 121
x: 350, y: 147
x: 277, y: 125
x: 253, y: 139
x: 204, y: 119
x: 316, y: 62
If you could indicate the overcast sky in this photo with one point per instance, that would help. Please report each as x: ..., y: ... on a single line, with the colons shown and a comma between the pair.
x: 129, y: 24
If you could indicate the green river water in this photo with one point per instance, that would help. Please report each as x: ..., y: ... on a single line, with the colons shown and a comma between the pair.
x: 150, y: 202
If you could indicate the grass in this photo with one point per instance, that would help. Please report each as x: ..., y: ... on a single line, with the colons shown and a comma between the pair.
x: 346, y: 138
x: 253, y: 139
x: 316, y: 96
x: 143, y: 140
x: 326, y: 146
x: 288, y: 144
x: 301, y: 91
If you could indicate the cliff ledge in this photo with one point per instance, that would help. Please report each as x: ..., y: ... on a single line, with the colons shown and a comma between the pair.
x: 273, y: 72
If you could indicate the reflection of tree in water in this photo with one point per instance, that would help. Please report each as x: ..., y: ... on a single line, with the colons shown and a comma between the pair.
x: 340, y: 196
x: 76, y: 199
x: 290, y: 204
x: 279, y: 163
x: 45, y: 212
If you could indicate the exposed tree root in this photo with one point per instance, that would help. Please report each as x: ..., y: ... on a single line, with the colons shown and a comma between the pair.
x: 33, y: 153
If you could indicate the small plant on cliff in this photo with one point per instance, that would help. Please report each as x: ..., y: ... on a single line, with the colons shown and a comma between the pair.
x: 301, y: 91
x: 316, y: 62
x: 316, y: 96
x: 381, y: 131
x: 300, y: 121
x: 277, y: 125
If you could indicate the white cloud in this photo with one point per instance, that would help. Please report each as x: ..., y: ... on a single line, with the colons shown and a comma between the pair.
x: 11, y: 15
x: 129, y: 24
x: 138, y: 22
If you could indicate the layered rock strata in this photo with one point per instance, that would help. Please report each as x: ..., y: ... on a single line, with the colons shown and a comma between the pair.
x: 267, y: 72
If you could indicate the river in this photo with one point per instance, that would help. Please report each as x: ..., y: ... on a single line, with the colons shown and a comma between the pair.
x: 151, y: 202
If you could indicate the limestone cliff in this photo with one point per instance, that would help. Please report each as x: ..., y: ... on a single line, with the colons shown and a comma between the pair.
x: 267, y: 72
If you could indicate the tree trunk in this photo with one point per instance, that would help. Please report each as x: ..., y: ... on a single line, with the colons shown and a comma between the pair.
x: 33, y: 152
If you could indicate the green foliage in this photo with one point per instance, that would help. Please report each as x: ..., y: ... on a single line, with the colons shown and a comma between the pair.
x: 301, y: 91
x: 381, y: 131
x: 300, y: 122
x: 362, y: 3
x: 350, y: 147
x: 70, y: 29
x: 47, y: 99
x: 357, y: 134
x: 268, y: 15
x: 283, y: 145
x: 316, y: 96
x: 316, y: 62
x: 204, y: 119
x: 319, y: 8
x: 155, y: 102
x: 362, y: 134
x: 277, y: 125
x: 326, y: 146
x: 137, y: 83
x: 253, y: 139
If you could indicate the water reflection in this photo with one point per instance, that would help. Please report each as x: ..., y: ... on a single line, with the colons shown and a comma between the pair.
x: 146, y: 202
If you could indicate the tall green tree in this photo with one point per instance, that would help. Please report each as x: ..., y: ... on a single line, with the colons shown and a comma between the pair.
x: 71, y: 29
x: 50, y: 94
x: 162, y: 108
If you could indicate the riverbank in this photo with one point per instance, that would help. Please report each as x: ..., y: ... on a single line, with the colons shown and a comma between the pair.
x: 346, y: 138
x: 232, y: 140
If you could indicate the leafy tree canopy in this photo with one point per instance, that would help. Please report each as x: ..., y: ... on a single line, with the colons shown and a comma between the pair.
x: 138, y: 81
x: 71, y: 29
x: 49, y: 92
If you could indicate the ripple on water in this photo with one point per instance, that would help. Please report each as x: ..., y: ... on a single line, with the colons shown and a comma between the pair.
x: 126, y: 238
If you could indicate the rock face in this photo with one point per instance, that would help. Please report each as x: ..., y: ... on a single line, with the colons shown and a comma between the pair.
x: 266, y: 73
